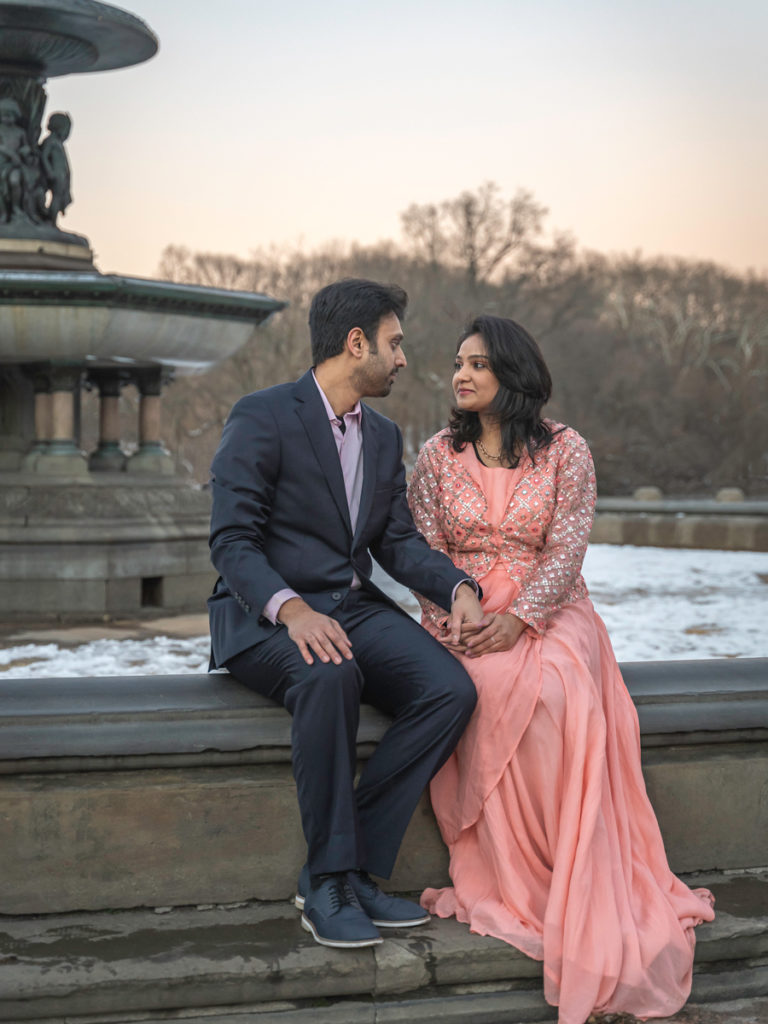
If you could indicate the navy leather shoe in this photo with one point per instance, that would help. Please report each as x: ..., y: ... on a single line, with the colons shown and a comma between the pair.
x: 332, y: 913
x: 384, y: 910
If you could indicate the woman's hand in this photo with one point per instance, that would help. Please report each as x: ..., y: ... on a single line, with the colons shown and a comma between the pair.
x: 499, y: 632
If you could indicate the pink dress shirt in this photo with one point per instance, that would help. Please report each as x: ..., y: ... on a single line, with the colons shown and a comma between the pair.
x: 349, y: 445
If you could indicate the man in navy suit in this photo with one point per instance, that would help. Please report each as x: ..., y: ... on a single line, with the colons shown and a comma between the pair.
x: 307, y: 484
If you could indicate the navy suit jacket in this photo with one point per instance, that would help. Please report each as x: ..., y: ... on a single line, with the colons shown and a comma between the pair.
x: 280, y: 516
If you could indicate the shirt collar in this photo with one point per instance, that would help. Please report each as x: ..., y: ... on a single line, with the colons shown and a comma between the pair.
x: 355, y: 412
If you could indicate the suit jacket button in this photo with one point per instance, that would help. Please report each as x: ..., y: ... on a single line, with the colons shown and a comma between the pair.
x: 336, y: 595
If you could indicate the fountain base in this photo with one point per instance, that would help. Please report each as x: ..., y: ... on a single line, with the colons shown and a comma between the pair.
x: 144, y: 548
x: 48, y: 249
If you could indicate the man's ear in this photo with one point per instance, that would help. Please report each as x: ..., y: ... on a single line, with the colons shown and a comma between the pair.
x: 356, y: 340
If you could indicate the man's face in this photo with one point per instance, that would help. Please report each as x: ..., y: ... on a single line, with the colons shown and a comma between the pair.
x: 382, y: 360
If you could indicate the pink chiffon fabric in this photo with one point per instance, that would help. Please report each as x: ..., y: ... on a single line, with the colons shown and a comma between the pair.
x: 554, y: 846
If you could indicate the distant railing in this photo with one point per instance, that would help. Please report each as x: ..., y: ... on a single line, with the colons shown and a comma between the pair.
x: 728, y: 521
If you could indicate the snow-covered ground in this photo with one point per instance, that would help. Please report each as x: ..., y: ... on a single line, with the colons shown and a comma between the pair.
x: 658, y: 604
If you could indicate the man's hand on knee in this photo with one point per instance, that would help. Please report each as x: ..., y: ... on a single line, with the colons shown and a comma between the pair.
x: 312, y: 631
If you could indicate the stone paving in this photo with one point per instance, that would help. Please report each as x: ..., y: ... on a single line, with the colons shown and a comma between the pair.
x: 251, y: 963
x: 114, y: 629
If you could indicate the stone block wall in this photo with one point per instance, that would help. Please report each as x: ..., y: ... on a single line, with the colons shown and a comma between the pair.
x: 177, y: 790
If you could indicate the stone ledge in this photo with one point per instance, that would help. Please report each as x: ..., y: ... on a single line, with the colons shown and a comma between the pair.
x: 89, y: 721
x: 104, y: 784
x: 256, y: 957
x: 730, y: 531
x: 682, y: 506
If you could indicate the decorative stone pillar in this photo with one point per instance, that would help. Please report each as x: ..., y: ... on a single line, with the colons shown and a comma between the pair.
x: 152, y: 456
x: 41, y: 379
x: 62, y: 455
x: 16, y: 416
x: 109, y: 456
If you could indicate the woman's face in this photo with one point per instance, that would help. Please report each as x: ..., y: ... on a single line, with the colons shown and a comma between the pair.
x: 474, y: 383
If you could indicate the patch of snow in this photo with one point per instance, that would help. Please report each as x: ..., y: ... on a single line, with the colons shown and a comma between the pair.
x: 662, y: 604
x: 160, y: 655
x: 659, y: 604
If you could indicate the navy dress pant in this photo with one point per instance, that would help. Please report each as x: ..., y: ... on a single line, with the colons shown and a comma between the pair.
x: 397, y: 667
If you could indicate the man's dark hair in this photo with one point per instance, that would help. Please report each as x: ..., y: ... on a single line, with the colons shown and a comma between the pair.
x: 525, y: 386
x: 343, y: 305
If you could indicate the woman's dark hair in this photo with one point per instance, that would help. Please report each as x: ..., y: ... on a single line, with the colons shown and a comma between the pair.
x: 525, y: 386
x: 352, y: 302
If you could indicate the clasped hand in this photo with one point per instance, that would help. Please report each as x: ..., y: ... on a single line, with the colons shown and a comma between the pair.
x: 468, y: 631
x: 495, y: 632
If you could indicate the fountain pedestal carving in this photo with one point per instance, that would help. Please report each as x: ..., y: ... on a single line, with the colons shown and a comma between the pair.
x: 108, y: 531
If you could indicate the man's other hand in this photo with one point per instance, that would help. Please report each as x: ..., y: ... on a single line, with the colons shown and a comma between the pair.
x: 312, y: 631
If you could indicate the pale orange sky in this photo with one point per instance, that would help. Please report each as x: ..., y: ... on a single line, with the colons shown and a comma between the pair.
x: 640, y: 124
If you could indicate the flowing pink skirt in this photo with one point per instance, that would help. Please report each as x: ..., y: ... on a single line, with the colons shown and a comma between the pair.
x: 554, y: 846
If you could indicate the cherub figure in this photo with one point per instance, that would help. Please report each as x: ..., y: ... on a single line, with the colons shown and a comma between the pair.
x: 56, y: 164
x: 34, y: 188
x: 14, y: 147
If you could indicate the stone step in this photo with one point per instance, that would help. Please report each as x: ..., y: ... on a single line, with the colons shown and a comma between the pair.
x: 253, y: 962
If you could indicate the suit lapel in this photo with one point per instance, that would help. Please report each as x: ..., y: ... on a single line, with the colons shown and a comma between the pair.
x: 311, y: 412
x: 370, y: 455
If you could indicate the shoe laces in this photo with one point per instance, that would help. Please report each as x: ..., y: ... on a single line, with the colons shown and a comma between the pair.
x: 341, y: 894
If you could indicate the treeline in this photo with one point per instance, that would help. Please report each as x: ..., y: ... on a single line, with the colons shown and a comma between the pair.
x: 661, y: 363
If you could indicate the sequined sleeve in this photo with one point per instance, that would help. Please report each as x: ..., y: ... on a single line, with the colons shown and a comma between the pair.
x: 556, y: 573
x: 424, y: 500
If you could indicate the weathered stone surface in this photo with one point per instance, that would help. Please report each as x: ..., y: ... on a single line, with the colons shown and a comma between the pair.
x: 400, y: 965
x: 483, y: 959
x: 245, y: 958
x: 78, y: 550
x: 736, y: 1011
x: 118, y: 839
x: 346, y: 1012
x: 692, y: 523
x: 110, y: 496
x: 712, y: 804
x: 104, y: 786
x: 78, y: 596
x: 126, y: 839
x: 189, y: 590
x: 143, y: 961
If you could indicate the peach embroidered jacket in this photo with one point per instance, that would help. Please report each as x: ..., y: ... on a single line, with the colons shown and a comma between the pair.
x: 542, y: 538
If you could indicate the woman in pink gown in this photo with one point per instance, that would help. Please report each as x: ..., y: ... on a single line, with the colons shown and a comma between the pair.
x: 554, y: 846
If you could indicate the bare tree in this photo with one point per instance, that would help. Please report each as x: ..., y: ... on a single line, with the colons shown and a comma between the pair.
x: 662, y: 364
x: 477, y: 230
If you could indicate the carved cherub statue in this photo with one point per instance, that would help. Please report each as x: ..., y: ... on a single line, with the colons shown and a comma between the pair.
x: 56, y: 165
x: 14, y: 147
x: 35, y: 189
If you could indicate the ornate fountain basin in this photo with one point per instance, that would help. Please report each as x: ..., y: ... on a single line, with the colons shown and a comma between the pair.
x: 60, y: 37
x: 106, y: 319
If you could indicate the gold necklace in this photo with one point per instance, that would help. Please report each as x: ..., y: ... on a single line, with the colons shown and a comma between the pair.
x: 487, y: 454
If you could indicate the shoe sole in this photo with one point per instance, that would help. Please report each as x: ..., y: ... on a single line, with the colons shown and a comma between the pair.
x: 307, y: 925
x: 414, y: 922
